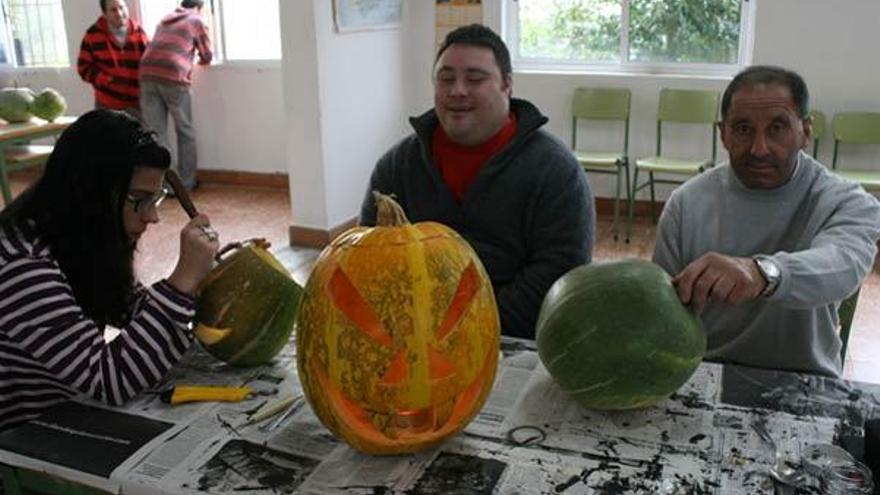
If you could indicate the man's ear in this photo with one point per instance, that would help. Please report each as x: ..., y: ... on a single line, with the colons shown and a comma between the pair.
x: 720, y: 125
x: 507, y: 85
x: 807, y: 123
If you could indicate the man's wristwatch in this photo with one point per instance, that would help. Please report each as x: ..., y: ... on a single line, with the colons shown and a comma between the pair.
x: 771, y: 273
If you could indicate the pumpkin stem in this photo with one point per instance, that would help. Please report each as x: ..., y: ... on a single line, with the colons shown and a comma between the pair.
x: 388, y: 212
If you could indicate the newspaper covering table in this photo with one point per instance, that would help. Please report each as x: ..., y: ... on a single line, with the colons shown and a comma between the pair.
x: 529, y: 438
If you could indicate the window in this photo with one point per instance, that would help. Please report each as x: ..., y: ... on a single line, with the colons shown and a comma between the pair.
x: 251, y: 29
x: 32, y: 33
x: 629, y: 35
x: 240, y: 29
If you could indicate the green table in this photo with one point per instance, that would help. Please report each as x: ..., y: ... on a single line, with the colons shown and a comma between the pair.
x: 14, y: 134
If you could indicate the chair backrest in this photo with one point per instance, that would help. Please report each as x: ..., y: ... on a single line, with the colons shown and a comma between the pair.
x: 688, y: 106
x: 819, y: 123
x: 600, y: 104
x: 855, y: 128
x: 845, y: 314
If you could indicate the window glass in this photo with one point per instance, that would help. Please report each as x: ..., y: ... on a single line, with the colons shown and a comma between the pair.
x: 152, y: 11
x: 240, y: 29
x: 626, y: 32
x: 685, y: 31
x: 251, y: 29
x: 570, y: 29
x: 37, y: 33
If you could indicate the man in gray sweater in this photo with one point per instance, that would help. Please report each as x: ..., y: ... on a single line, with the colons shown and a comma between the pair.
x: 480, y: 163
x: 766, y: 247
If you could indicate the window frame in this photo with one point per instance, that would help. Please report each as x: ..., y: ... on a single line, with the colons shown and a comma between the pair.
x: 8, y: 40
x: 218, y: 39
x: 510, y: 30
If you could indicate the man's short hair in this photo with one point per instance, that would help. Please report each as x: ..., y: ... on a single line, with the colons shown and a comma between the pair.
x: 103, y: 4
x: 192, y: 4
x: 479, y: 35
x: 769, y: 74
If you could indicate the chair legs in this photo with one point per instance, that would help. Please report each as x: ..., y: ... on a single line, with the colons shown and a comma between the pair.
x: 632, y: 200
x: 616, y: 202
x: 622, y: 182
x: 622, y: 169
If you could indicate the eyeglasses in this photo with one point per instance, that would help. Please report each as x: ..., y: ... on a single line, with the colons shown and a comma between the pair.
x: 143, y: 204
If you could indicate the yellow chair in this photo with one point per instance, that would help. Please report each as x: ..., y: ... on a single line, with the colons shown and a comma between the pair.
x: 679, y: 106
x: 604, y: 104
x: 857, y: 128
x: 818, y: 130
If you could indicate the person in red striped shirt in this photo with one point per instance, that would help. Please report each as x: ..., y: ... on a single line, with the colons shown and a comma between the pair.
x: 166, y: 80
x: 110, y: 56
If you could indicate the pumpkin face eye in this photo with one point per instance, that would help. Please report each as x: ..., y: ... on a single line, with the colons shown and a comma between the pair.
x: 393, y: 384
x: 397, y: 340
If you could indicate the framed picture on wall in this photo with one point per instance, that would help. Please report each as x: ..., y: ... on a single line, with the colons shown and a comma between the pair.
x: 358, y: 15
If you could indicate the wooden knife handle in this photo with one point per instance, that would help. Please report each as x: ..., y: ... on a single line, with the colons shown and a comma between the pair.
x: 181, y: 192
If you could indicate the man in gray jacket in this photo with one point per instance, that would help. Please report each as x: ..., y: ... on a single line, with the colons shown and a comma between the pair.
x: 479, y: 163
x: 766, y: 247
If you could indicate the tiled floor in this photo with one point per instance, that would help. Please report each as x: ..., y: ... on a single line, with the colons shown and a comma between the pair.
x: 239, y: 213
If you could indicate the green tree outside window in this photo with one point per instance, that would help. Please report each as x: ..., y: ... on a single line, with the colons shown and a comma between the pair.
x: 681, y: 31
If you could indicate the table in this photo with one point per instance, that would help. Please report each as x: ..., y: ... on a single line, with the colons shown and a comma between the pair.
x: 528, y: 438
x: 11, y: 134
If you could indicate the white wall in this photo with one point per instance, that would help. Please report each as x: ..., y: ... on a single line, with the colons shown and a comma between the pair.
x: 238, y: 109
x: 833, y: 45
x: 345, y: 97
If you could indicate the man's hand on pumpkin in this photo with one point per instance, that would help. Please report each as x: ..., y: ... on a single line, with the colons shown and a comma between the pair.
x: 715, y: 277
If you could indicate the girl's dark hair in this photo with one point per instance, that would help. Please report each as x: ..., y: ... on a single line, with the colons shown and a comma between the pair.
x: 76, y: 208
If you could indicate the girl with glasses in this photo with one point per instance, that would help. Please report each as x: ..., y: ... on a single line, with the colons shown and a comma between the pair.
x: 66, y: 273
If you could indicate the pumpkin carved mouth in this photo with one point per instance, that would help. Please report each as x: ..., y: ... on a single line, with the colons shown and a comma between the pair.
x: 384, y: 428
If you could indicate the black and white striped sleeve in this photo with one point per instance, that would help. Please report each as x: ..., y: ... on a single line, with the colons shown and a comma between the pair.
x: 40, y: 316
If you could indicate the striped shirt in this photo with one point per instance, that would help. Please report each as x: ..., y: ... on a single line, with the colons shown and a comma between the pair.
x: 50, y: 350
x: 111, y: 68
x: 178, y: 37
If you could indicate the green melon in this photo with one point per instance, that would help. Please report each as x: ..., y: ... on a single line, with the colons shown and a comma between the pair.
x: 15, y: 104
x: 246, y: 308
x: 48, y: 105
x: 615, y: 335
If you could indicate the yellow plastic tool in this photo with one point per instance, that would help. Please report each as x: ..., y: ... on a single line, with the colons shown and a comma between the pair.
x: 181, y: 394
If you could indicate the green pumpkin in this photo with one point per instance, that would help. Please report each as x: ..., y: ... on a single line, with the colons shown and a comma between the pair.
x: 247, y: 307
x: 615, y: 335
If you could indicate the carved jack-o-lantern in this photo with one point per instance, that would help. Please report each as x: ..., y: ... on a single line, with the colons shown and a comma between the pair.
x: 397, y: 334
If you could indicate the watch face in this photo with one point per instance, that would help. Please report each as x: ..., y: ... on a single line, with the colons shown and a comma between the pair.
x: 771, y: 271
x: 771, y: 275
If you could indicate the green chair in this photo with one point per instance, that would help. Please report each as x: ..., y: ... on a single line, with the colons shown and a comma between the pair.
x: 25, y: 482
x: 604, y: 104
x: 858, y: 128
x: 685, y: 106
x: 845, y: 314
x: 818, y: 129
